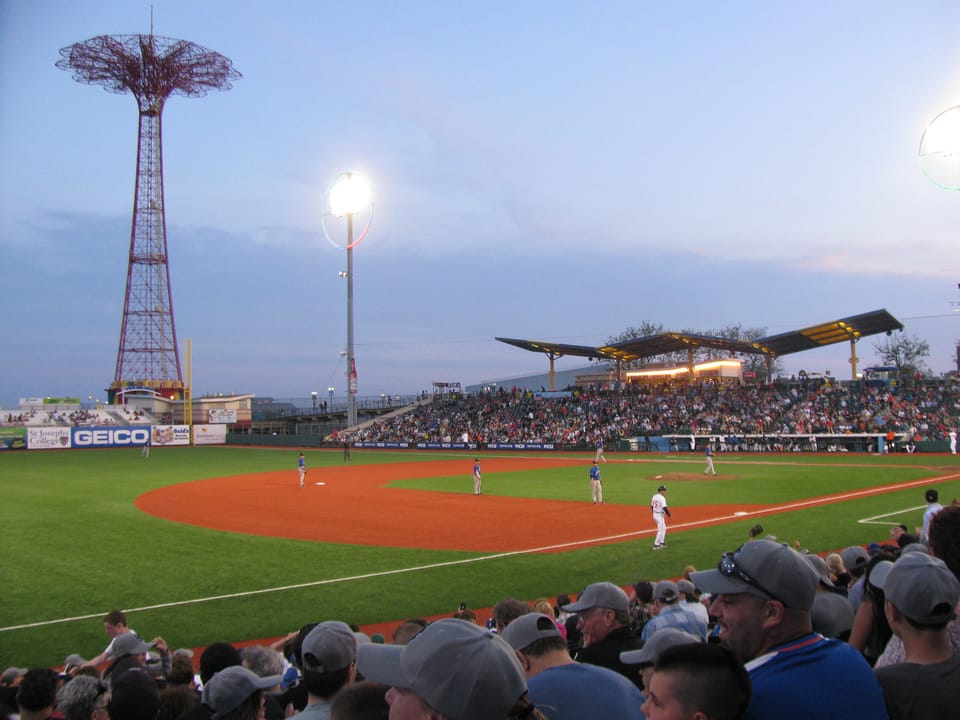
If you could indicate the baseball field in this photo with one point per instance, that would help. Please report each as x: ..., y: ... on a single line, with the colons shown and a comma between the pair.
x: 208, y: 544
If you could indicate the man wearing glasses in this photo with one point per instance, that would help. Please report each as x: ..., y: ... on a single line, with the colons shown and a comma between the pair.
x: 763, y: 595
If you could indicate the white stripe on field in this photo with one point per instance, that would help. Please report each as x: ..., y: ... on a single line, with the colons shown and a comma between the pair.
x: 561, y: 546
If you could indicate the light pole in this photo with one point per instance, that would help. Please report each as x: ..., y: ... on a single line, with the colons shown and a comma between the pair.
x: 314, y: 396
x: 330, y: 391
x: 348, y: 196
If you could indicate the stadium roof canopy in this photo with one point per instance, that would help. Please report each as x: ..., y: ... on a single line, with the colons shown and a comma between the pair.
x: 828, y: 333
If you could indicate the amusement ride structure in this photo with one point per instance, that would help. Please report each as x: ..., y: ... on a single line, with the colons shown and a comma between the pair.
x: 152, y: 68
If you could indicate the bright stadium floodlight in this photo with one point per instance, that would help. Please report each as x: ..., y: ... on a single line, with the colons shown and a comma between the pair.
x: 940, y: 149
x: 348, y: 197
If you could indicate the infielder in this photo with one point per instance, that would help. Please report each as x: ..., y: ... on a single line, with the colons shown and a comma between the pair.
x: 659, y: 506
x: 600, y: 456
x: 302, y: 467
x: 953, y: 441
x: 596, y: 487
x: 476, y: 476
x: 708, y: 454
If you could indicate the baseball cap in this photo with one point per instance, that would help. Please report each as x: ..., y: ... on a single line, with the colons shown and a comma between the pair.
x: 73, y: 660
x: 11, y: 674
x: 931, y: 495
x: 686, y: 587
x: 527, y: 629
x: 461, y: 670
x: 129, y: 644
x: 600, y: 595
x: 921, y: 587
x: 133, y: 695
x: 666, y: 590
x: 854, y: 557
x: 913, y: 547
x: 330, y: 646
x: 820, y: 565
x: 765, y: 569
x: 662, y: 639
x: 831, y: 614
x: 661, y: 488
x: 227, y: 689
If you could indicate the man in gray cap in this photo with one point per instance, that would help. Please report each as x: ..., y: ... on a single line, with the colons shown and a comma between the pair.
x: 454, y: 670
x: 921, y: 598
x: 604, y: 626
x: 667, y: 612
x: 235, y: 689
x: 646, y: 658
x: 763, y: 595
x: 831, y: 612
x: 855, y: 560
x: 329, y: 653
x: 562, y: 688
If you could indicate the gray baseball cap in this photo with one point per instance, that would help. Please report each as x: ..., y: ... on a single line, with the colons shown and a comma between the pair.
x: 854, y: 557
x: 328, y: 647
x: 686, y: 587
x: 227, y: 689
x: 820, y: 565
x: 765, y: 569
x: 666, y: 590
x: 459, y: 669
x: 600, y: 595
x: 920, y: 586
x: 527, y: 629
x: 128, y: 644
x: 662, y: 639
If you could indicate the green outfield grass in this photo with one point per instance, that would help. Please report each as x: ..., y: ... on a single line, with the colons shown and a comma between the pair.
x: 75, y: 546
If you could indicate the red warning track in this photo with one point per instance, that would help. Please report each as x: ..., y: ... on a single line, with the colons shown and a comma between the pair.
x: 356, y: 505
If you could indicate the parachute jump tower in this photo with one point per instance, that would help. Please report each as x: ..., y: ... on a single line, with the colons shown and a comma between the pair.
x: 152, y: 68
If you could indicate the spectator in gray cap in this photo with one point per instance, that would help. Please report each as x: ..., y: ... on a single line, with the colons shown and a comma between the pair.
x: 562, y: 688
x: 855, y: 560
x: 831, y: 612
x: 647, y: 657
x: 669, y: 613
x: 329, y: 653
x: 604, y: 625
x: 763, y: 593
x: 921, y: 598
x: 690, y: 599
x: 236, y: 693
x: 453, y: 670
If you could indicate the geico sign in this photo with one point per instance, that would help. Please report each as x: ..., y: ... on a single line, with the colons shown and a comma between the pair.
x: 120, y: 436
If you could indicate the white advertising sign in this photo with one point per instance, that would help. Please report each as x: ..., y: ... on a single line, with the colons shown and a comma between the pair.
x: 221, y: 416
x: 48, y: 438
x: 170, y: 435
x: 209, y: 434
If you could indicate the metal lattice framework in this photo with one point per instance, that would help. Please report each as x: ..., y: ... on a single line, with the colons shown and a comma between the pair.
x: 152, y: 68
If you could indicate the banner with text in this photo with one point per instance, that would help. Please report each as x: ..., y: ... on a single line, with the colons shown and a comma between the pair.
x: 209, y: 434
x: 100, y: 437
x: 48, y: 438
x: 221, y: 416
x: 170, y: 435
x: 13, y: 438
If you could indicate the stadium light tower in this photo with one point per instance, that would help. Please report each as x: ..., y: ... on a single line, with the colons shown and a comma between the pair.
x: 152, y: 68
x: 347, y: 197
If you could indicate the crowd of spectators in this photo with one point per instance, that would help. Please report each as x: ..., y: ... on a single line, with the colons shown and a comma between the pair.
x: 924, y: 412
x: 78, y: 417
x: 886, y: 645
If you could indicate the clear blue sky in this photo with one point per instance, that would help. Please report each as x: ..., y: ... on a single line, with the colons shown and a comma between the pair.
x: 548, y: 170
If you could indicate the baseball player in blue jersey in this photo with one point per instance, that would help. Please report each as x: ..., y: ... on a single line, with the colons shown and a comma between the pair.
x: 708, y: 454
x: 302, y: 467
x: 476, y: 476
x: 596, y: 487
x: 599, y: 456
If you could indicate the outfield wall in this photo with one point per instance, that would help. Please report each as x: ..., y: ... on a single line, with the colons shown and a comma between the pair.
x: 59, y: 438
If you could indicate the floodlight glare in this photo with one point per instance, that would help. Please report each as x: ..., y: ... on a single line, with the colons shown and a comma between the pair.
x: 349, y: 195
x: 940, y: 149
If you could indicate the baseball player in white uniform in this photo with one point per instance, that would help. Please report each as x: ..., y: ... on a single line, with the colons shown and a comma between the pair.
x: 659, y: 506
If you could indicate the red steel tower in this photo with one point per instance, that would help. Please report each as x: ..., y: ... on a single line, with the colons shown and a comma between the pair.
x: 152, y: 68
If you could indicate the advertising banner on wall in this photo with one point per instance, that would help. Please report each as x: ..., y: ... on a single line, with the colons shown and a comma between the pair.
x: 13, y: 438
x: 133, y: 436
x: 221, y: 416
x: 48, y: 438
x: 209, y: 434
x: 170, y: 435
